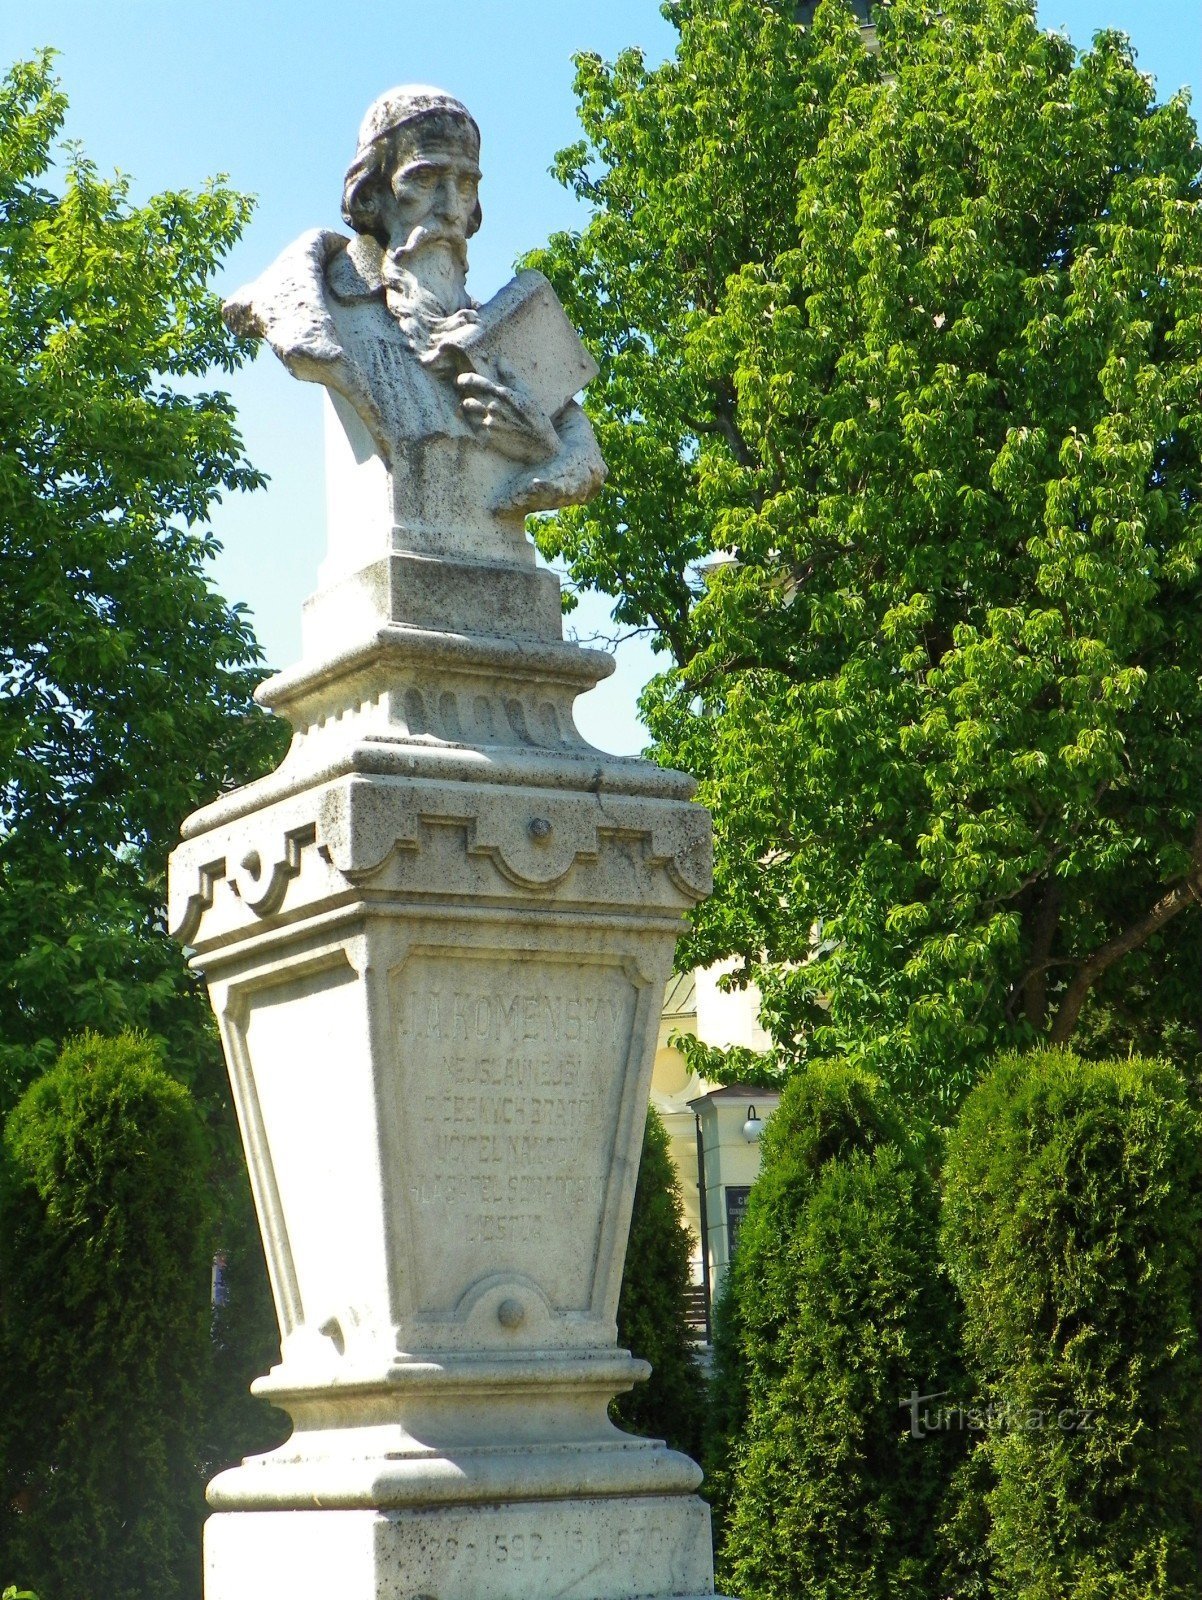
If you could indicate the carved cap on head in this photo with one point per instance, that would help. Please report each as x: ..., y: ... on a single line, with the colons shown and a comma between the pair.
x: 395, y: 107
x: 389, y: 118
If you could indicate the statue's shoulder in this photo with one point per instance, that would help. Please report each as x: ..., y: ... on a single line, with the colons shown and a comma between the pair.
x: 355, y: 273
x: 287, y: 305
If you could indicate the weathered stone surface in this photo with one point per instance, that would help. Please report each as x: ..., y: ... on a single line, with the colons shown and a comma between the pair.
x: 436, y: 940
x: 585, y: 1550
x: 453, y: 419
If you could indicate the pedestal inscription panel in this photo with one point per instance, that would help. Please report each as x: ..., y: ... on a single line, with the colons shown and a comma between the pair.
x: 511, y: 1070
x: 608, y: 1549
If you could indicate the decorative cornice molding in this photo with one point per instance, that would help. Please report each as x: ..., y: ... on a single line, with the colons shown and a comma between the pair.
x: 534, y: 838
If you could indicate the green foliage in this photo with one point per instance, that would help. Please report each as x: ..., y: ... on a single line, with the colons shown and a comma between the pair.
x: 842, y: 1311
x: 736, y: 1063
x: 127, y: 698
x: 1046, y: 1316
x: 826, y: 1114
x: 1073, y: 1228
x: 127, y: 680
x: 245, y: 1338
x: 651, y: 1307
x: 727, y: 1406
x: 104, y: 1326
x: 911, y: 343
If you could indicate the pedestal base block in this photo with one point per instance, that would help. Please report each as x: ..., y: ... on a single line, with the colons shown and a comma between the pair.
x: 601, y: 1549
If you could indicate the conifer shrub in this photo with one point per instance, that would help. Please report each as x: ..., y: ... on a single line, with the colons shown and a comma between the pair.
x: 245, y: 1335
x: 652, y: 1306
x: 824, y: 1114
x: 105, y: 1256
x: 837, y: 1312
x: 1073, y: 1228
x: 727, y: 1405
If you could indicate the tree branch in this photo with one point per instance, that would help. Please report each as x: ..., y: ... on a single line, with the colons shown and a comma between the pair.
x: 1016, y: 989
x: 1090, y: 970
x: 725, y: 402
x: 1035, y: 984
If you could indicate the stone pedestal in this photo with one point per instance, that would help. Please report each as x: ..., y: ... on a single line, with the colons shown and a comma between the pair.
x: 437, y: 940
x: 603, y: 1548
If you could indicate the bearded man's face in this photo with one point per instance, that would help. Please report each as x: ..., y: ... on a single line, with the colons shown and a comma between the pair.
x: 433, y: 194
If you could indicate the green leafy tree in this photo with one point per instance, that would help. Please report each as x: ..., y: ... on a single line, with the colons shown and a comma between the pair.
x: 905, y: 342
x: 1072, y: 1221
x: 105, y: 1240
x: 126, y: 679
x: 652, y: 1307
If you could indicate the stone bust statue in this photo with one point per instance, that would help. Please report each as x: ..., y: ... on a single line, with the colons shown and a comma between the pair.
x: 462, y: 414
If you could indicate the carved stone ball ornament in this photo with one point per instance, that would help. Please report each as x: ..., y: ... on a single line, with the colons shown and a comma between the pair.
x: 436, y: 940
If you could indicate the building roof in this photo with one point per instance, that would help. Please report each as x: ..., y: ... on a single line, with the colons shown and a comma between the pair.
x: 738, y: 1091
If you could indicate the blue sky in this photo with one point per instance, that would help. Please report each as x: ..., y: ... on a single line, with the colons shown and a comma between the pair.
x: 271, y: 93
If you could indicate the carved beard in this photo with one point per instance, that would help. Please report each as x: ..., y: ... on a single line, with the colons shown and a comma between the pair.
x: 418, y: 305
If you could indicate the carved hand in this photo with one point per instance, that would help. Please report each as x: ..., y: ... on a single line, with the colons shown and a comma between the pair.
x: 572, y: 478
x: 507, y: 417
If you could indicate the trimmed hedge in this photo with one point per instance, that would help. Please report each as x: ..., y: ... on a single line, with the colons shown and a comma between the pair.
x: 822, y: 1116
x: 1073, y: 1227
x: 841, y: 1313
x: 651, y: 1308
x: 105, y: 1251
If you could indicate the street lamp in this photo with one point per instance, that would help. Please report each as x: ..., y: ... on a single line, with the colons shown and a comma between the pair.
x: 753, y: 1127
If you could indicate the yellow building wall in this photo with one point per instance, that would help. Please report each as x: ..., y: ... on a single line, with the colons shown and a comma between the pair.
x: 695, y: 1004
